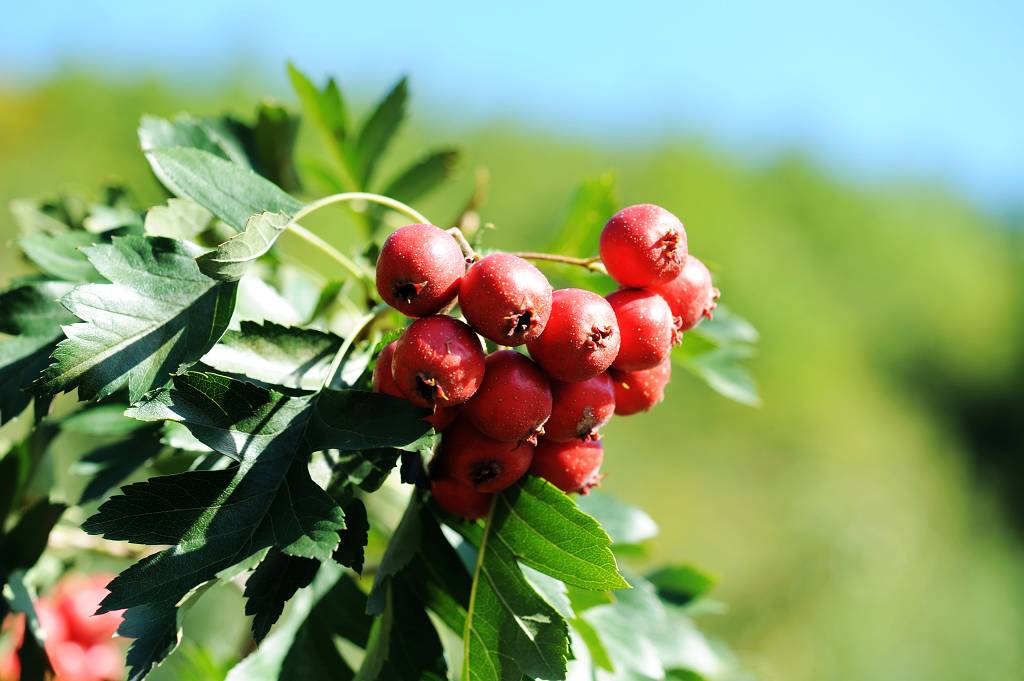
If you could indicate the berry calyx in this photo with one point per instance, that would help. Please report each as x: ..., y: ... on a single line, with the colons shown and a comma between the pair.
x: 459, y: 499
x: 419, y: 270
x: 513, y: 401
x: 581, y: 338
x: 646, y: 327
x: 384, y: 382
x: 690, y: 296
x: 483, y: 463
x: 637, y: 391
x: 643, y: 245
x: 506, y: 299
x: 438, y: 362
x: 570, y: 466
x: 579, y: 409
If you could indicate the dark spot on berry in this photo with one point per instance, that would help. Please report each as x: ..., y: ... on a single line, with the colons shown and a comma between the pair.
x: 484, y: 471
x: 520, y: 322
x: 408, y: 291
x: 429, y: 389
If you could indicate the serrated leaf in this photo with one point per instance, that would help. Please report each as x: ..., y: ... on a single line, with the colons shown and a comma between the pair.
x: 545, y: 529
x: 352, y: 540
x: 326, y: 110
x: 226, y: 189
x: 111, y: 463
x: 367, y: 469
x: 361, y: 420
x: 625, y: 524
x: 276, y: 354
x: 403, y: 642
x: 61, y: 255
x: 188, y: 132
x: 269, y: 143
x: 158, y: 314
x: 182, y: 219
x: 437, y: 576
x: 32, y: 309
x: 230, y: 260
x: 272, y: 584
x: 379, y: 129
x: 156, y: 630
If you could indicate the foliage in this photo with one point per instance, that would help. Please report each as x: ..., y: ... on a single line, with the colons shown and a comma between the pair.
x: 274, y: 463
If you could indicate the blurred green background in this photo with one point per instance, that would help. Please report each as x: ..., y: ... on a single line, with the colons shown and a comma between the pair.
x: 866, y: 522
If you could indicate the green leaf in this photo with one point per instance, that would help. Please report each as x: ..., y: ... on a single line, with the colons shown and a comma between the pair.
x: 32, y: 309
x: 226, y: 189
x: 402, y: 546
x: 680, y: 584
x: 352, y: 539
x: 182, y: 219
x: 49, y: 214
x: 437, y: 576
x: 510, y: 630
x: 403, y: 643
x: 101, y: 420
x: 326, y: 110
x: 726, y: 327
x: 156, y: 628
x: 22, y: 360
x: 544, y: 528
x: 379, y: 129
x: 10, y: 481
x: 159, y: 314
x: 722, y: 369
x: 113, y: 462
x: 269, y: 143
x: 625, y: 524
x: 423, y: 176
x: 594, y: 202
x: 272, y: 584
x: 361, y: 420
x: 230, y: 260
x: 187, y: 132
x: 61, y: 255
x: 275, y: 354
x: 366, y: 470
x: 21, y: 547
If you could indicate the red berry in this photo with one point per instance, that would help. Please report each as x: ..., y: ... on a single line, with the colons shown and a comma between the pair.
x: 580, y: 409
x: 643, y: 245
x: 581, y: 338
x: 443, y: 417
x: 637, y: 391
x: 485, y: 464
x: 419, y: 269
x: 438, y: 362
x: 460, y: 499
x: 78, y: 601
x: 506, y: 299
x: 513, y: 401
x: 690, y: 296
x: 383, y: 379
x: 570, y: 466
x: 646, y: 326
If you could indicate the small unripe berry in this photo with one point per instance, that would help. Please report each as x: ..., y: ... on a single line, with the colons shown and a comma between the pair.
x: 645, y: 326
x: 690, y: 296
x: 460, y: 499
x: 637, y: 391
x: 419, y: 270
x: 485, y: 464
x: 643, y: 245
x: 384, y: 382
x: 514, y: 400
x: 570, y: 466
x: 439, y: 362
x: 581, y: 338
x: 579, y: 409
x: 506, y: 299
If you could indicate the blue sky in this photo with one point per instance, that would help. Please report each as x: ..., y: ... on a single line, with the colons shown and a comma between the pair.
x: 875, y: 89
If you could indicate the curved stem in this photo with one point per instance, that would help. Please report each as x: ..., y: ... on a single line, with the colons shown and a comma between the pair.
x: 467, y: 249
x: 342, y: 259
x: 354, y: 334
x: 593, y: 264
x: 391, y: 203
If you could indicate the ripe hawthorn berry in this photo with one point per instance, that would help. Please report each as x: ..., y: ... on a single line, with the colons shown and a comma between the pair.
x: 637, y: 391
x: 645, y: 326
x: 506, y: 299
x: 483, y: 463
x: 643, y: 245
x: 419, y: 270
x: 384, y: 382
x: 514, y: 400
x: 579, y: 409
x: 570, y: 466
x: 438, y: 362
x: 690, y: 296
x: 460, y: 499
x: 581, y: 338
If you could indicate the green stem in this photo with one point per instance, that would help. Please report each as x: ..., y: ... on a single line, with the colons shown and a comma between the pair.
x: 593, y: 264
x: 353, y: 335
x: 477, y: 569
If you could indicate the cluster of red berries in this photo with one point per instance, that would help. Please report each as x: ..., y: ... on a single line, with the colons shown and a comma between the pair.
x: 80, y: 645
x: 504, y: 414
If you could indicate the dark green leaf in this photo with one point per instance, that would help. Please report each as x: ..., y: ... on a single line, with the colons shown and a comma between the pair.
x: 182, y: 219
x: 188, y: 132
x: 275, y: 354
x: 326, y: 111
x: 22, y: 360
x: 402, y: 546
x: 111, y: 463
x: 625, y: 524
x: 680, y: 584
x: 722, y: 369
x: 159, y: 314
x: 230, y: 260
x: 269, y: 143
x: 227, y: 190
x: 403, y: 642
x: 424, y: 176
x: 61, y: 255
x: 32, y: 309
x: 49, y: 214
x: 544, y: 528
x: 366, y: 470
x: 273, y: 584
x: 21, y: 547
x: 380, y: 128
x: 155, y: 627
x: 101, y: 420
x: 352, y: 540
x: 437, y: 576
x: 358, y: 420
x: 10, y: 480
